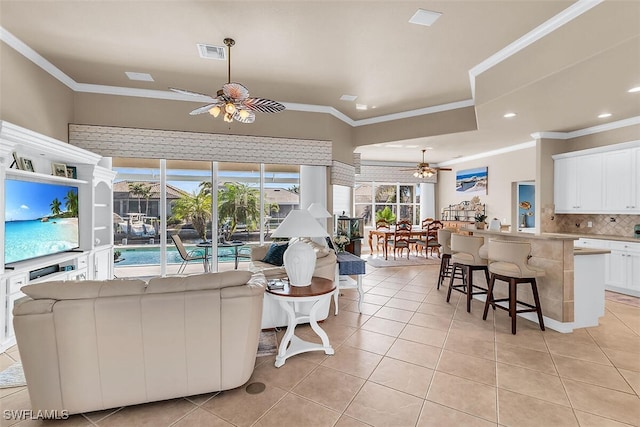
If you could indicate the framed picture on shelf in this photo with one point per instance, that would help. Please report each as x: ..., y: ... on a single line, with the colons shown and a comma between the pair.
x: 27, y: 165
x: 59, y: 169
x: 16, y: 161
x: 72, y: 172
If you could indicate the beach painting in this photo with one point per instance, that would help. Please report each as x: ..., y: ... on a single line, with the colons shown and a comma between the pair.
x: 472, y: 182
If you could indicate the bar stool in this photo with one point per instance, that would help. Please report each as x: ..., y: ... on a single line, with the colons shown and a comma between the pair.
x: 444, y: 239
x: 466, y: 257
x: 509, y: 264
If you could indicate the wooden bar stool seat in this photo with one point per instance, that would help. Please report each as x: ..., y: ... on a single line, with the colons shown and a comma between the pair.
x: 466, y: 258
x: 509, y: 263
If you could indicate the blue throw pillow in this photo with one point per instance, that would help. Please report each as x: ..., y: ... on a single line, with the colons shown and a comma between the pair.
x: 275, y: 253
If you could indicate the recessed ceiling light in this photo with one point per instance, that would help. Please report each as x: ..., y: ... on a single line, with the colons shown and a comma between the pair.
x: 143, y: 77
x: 209, y: 51
x: 509, y: 115
x: 604, y: 115
x: 425, y: 17
x: 412, y: 146
x: 348, y: 97
x: 361, y: 106
x: 634, y: 89
x: 393, y: 146
x: 428, y: 148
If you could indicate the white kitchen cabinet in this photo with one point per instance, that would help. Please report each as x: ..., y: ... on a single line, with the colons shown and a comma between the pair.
x: 622, y: 269
x: 602, y: 180
x: 578, y: 184
x: 621, y: 174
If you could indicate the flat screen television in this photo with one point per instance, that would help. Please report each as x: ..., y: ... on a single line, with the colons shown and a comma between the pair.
x: 40, y: 219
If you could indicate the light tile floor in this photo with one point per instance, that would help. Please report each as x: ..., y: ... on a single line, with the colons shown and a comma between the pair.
x: 411, y: 359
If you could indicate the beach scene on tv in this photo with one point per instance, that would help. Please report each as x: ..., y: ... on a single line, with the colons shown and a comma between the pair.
x: 40, y: 219
x: 472, y: 181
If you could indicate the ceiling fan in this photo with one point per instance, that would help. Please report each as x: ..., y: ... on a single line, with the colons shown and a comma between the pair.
x: 233, y: 99
x: 423, y: 170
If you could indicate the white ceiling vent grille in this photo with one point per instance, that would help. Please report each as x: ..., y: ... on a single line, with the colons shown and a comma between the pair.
x: 209, y: 51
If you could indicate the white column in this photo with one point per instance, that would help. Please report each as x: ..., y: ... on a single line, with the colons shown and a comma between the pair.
x: 313, y: 185
x: 313, y: 189
x: 427, y: 201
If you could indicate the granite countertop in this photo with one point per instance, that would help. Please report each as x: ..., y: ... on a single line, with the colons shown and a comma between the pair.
x: 578, y: 235
x: 543, y: 236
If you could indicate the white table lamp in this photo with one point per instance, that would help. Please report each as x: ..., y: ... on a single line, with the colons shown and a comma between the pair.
x: 300, y: 258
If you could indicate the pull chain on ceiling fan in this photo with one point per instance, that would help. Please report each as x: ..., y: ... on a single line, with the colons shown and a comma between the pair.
x: 233, y: 99
x: 423, y: 170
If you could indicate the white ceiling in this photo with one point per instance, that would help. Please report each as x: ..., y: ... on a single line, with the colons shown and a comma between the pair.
x: 557, y: 64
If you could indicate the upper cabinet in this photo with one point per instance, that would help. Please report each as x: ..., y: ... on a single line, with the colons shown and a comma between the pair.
x: 578, y: 184
x: 604, y: 180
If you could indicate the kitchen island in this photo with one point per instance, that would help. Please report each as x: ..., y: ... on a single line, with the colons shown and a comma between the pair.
x: 572, y: 290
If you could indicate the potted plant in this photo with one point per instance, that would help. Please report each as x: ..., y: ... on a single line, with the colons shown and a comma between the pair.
x: 341, y: 241
x: 480, y: 218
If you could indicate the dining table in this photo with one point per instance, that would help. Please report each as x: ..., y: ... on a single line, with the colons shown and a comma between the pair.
x: 387, y: 234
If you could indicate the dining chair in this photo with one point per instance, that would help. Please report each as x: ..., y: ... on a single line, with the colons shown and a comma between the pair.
x: 381, y: 225
x: 401, y: 238
x: 430, y: 241
x: 187, y: 256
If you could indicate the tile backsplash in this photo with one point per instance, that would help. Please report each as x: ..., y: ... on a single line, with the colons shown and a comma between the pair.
x: 612, y: 224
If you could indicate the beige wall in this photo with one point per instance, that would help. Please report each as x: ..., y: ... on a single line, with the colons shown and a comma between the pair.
x: 445, y: 122
x: 504, y: 169
x: 626, y: 134
x: 31, y: 98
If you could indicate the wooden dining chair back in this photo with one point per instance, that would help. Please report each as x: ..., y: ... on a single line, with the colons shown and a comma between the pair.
x: 381, y: 225
x: 429, y: 240
x: 401, y: 240
x: 425, y: 223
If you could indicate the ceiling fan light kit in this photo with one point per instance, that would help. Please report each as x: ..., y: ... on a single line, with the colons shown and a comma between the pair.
x: 233, y: 99
x: 423, y: 170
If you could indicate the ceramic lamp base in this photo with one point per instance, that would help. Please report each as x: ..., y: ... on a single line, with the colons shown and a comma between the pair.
x: 300, y: 263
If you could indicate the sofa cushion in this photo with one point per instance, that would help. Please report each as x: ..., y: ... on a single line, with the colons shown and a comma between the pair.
x: 275, y: 253
x: 84, y: 289
x: 198, y: 282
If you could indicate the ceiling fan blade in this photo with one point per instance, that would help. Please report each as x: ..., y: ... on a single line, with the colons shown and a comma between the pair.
x: 188, y: 92
x: 204, y: 109
x: 263, y: 105
x: 235, y: 91
x: 444, y: 169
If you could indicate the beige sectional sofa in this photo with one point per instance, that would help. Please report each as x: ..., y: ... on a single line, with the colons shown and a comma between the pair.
x: 93, y: 345
x: 273, y: 316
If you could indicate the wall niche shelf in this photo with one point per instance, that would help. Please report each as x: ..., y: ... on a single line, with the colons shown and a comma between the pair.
x: 36, y: 176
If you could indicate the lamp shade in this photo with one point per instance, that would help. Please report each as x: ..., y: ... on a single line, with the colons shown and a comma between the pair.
x: 299, y: 223
x: 318, y: 211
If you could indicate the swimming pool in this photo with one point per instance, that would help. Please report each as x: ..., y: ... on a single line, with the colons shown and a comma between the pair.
x: 150, y: 255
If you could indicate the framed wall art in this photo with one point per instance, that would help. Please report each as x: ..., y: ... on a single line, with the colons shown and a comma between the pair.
x: 472, y: 182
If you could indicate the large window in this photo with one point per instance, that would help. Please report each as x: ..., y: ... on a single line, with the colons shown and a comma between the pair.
x: 392, y: 201
x: 249, y: 203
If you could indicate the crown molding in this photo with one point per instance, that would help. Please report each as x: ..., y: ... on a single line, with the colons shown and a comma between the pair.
x: 491, y: 153
x: 542, y: 30
x: 588, y: 131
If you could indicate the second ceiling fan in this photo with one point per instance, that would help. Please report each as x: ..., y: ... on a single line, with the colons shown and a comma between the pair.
x: 423, y: 170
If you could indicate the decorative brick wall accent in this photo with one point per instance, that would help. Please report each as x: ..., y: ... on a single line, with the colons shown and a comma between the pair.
x: 370, y: 173
x: 179, y: 145
x: 342, y: 174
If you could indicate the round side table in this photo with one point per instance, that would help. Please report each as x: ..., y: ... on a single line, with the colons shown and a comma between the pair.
x: 320, y: 289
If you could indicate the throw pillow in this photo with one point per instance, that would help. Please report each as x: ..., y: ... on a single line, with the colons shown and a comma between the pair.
x: 275, y: 253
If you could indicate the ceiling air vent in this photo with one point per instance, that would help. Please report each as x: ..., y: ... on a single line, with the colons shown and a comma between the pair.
x: 209, y: 51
